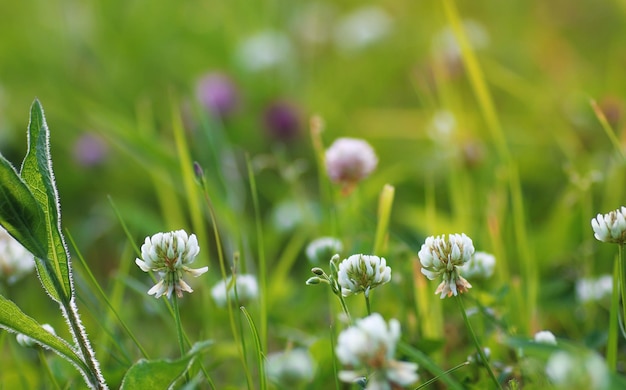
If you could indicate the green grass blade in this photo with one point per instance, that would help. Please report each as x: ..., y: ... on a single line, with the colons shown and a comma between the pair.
x: 424, y: 361
x: 259, y: 349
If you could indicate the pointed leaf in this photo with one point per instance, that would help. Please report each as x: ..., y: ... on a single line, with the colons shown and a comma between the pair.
x: 37, y: 174
x: 20, y: 213
x: 22, y: 217
x: 14, y: 320
x: 162, y: 373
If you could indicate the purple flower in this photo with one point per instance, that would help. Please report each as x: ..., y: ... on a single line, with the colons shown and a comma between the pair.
x: 217, y: 93
x: 89, y: 150
x: 282, y: 121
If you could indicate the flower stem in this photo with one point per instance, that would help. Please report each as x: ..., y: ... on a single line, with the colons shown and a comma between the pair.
x: 367, y: 304
x: 479, y: 349
x: 179, y: 326
x: 344, y: 307
x: 613, y: 338
x: 622, y: 277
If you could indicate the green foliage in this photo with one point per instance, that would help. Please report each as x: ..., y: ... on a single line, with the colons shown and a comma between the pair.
x: 162, y: 373
x: 14, y: 320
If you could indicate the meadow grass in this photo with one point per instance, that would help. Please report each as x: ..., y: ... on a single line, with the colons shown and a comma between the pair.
x: 501, y: 121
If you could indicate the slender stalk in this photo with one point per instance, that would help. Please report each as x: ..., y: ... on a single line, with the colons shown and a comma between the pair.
x: 179, y: 325
x: 613, y: 341
x: 367, y: 303
x: 344, y: 307
x: 479, y: 349
x: 622, y: 278
x: 44, y: 362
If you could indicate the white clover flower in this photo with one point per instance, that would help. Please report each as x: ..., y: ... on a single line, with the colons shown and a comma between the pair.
x: 247, y: 289
x: 361, y: 273
x: 26, y: 341
x: 290, y: 368
x: 169, y: 254
x: 545, y: 337
x: 481, y: 265
x: 350, y: 160
x: 264, y: 50
x: 322, y: 249
x: 362, y: 27
x: 610, y: 227
x: 15, y: 260
x: 370, y: 346
x: 594, y: 289
x: 578, y: 371
x: 441, y: 256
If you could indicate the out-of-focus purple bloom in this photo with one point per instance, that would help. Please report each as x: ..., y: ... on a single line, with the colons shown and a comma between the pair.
x: 217, y: 93
x: 90, y: 150
x: 282, y: 121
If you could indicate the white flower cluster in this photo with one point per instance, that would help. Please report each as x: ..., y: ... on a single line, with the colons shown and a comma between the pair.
x: 169, y: 254
x: 15, y: 260
x: 361, y: 273
x: 441, y: 256
x: 290, y: 368
x: 594, y: 289
x: 322, y: 249
x: 480, y: 265
x: 247, y: 289
x: 370, y: 346
x: 578, y: 371
x: 610, y: 227
x: 545, y: 337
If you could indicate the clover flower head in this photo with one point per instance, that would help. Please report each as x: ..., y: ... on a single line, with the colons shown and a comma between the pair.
x: 290, y: 368
x: 217, y: 93
x: 322, y: 249
x: 441, y: 256
x: 585, y: 370
x: 370, y: 346
x: 169, y: 254
x: 15, y: 260
x: 545, y: 337
x: 361, y: 273
x: 594, y: 289
x: 247, y: 289
x: 480, y: 265
x: 350, y: 160
x: 610, y: 227
x: 26, y: 341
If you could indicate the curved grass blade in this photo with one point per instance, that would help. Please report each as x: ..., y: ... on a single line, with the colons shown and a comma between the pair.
x: 37, y: 173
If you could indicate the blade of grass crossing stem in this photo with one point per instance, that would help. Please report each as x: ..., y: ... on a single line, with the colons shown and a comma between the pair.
x: 259, y: 349
x: 427, y: 364
x: 261, y: 253
x: 104, y: 296
x: 487, y: 107
x: 237, y: 336
x: 385, y: 203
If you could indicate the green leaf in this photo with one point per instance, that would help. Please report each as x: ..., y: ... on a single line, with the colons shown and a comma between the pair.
x: 37, y: 173
x: 14, y: 320
x: 20, y: 213
x: 162, y: 373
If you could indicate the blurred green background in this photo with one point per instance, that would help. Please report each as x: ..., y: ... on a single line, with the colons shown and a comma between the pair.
x: 115, y: 76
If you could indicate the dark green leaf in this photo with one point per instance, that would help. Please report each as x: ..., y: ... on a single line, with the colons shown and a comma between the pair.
x: 37, y: 174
